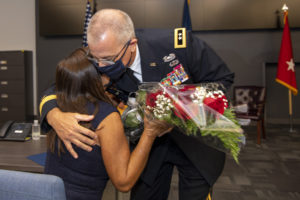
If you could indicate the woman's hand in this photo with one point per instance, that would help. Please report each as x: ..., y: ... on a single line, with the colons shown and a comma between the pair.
x: 154, y: 127
x: 69, y: 131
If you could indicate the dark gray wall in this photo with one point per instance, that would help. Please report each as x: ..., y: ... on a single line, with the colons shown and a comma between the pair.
x: 49, y: 52
x: 277, y: 96
x: 207, y: 14
x: 64, y: 17
x: 244, y: 51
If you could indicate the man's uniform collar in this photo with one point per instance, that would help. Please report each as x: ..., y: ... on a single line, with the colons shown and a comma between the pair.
x: 136, y: 65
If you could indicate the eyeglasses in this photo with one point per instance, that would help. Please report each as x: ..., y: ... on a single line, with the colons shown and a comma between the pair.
x: 106, y: 62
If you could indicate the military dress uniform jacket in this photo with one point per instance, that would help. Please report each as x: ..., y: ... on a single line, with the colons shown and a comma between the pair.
x: 159, y: 56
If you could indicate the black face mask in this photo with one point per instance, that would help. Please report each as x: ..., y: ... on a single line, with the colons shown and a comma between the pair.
x: 122, y: 79
x: 115, y: 71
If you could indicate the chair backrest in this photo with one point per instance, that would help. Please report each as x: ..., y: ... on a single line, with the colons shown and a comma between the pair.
x: 15, y: 185
x: 253, y: 96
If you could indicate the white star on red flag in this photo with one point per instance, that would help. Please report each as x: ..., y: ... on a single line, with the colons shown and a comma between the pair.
x: 291, y: 65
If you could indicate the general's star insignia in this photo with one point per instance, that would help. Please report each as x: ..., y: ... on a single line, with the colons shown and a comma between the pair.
x: 291, y: 65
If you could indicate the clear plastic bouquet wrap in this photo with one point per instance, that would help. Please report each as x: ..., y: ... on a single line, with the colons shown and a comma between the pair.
x: 198, y: 110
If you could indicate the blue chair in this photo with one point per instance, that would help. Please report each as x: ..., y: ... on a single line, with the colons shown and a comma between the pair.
x: 15, y: 185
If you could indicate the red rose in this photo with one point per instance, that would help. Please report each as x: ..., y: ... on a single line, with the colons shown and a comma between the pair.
x: 188, y: 87
x: 184, y: 94
x: 151, y: 98
x: 218, y: 104
x: 180, y: 112
x: 224, y: 100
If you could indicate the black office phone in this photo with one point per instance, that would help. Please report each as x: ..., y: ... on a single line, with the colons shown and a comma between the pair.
x: 14, y: 131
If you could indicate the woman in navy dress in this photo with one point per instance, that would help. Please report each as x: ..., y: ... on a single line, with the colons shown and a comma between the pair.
x: 79, y: 89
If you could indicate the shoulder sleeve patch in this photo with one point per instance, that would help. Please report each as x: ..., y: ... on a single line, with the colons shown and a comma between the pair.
x: 179, y: 38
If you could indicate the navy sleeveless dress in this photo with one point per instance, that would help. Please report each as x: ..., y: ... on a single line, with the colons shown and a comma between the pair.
x: 84, y: 177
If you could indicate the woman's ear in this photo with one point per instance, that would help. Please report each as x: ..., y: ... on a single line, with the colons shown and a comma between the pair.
x: 105, y: 79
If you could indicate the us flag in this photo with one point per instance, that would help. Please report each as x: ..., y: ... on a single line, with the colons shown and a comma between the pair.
x: 88, y: 16
x: 186, y: 20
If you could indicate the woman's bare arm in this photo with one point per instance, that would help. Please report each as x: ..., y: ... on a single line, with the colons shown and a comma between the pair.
x: 122, y: 167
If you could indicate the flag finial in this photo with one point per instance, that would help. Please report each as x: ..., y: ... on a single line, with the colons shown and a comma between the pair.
x: 284, y: 8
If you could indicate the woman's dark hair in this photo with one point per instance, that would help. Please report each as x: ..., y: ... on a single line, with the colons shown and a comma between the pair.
x: 77, y: 83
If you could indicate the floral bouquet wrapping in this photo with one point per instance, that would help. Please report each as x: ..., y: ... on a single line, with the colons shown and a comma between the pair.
x: 198, y: 110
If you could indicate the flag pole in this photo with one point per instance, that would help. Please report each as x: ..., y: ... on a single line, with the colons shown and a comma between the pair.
x: 286, y: 66
x: 285, y: 10
x: 291, y: 112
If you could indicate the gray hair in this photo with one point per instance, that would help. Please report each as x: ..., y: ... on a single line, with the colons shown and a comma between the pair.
x: 114, y: 20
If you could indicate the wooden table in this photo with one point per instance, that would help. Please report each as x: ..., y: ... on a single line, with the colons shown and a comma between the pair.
x: 13, y: 155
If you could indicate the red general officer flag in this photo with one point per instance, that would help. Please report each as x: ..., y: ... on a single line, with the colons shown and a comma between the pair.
x: 286, y: 66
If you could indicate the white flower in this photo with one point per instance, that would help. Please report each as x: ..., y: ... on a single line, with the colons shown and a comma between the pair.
x: 198, y: 95
x: 210, y: 94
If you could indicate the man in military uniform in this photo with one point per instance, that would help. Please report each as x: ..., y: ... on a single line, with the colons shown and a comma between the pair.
x: 128, y: 58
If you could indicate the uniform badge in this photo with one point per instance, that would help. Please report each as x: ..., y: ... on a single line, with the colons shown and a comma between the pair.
x: 152, y: 64
x: 179, y: 38
x: 169, y: 58
x: 173, y: 63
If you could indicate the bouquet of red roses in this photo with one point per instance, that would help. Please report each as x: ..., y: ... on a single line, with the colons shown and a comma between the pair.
x: 199, y: 110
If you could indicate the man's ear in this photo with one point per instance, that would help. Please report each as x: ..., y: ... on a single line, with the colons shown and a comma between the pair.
x: 133, y: 44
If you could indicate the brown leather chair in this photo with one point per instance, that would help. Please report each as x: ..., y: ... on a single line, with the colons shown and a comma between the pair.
x: 254, y: 97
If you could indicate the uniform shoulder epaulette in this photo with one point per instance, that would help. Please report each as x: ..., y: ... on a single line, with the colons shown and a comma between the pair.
x: 179, y: 38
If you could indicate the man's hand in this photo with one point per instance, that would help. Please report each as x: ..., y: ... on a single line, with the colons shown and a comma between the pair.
x: 69, y: 131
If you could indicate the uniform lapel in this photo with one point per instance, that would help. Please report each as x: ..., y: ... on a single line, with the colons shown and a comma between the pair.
x: 152, y: 65
x: 157, y: 61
